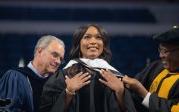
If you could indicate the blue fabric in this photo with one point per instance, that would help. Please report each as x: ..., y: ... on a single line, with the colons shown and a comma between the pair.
x: 15, y: 86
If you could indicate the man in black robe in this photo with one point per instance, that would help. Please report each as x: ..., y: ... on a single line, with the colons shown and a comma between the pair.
x: 23, y: 86
x: 156, y: 87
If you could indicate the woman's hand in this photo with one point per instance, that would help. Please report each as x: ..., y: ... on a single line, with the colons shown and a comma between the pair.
x: 77, y: 82
x: 115, y: 84
x: 112, y: 81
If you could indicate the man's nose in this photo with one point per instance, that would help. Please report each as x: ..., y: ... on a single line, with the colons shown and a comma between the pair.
x: 58, y: 61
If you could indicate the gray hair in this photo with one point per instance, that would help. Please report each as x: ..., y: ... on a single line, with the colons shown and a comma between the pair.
x: 44, y: 41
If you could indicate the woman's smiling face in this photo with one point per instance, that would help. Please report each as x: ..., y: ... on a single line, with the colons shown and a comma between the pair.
x: 91, y: 45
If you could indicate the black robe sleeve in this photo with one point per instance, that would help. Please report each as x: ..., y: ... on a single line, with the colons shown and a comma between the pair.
x: 156, y: 103
x: 15, y: 87
x: 52, y: 99
x: 94, y: 97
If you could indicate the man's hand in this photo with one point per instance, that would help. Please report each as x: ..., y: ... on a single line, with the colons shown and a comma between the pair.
x: 135, y: 85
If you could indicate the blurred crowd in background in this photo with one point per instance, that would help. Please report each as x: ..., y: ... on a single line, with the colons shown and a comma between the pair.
x: 129, y: 23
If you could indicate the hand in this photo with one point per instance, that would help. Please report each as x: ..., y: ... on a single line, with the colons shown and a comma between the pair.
x: 135, y: 85
x: 112, y: 81
x: 77, y: 82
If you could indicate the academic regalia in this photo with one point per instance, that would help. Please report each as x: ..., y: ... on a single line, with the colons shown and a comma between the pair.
x: 94, y: 97
x: 16, y: 87
x: 23, y: 87
x: 168, y: 37
x: 37, y: 84
x: 165, y: 96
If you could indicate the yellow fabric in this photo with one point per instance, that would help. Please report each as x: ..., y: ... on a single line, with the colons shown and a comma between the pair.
x: 175, y: 108
x: 155, y: 83
x: 166, y: 85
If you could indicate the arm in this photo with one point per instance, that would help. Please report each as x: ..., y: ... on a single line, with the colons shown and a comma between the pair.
x: 170, y: 104
x: 55, y: 98
x: 163, y: 105
x: 74, y: 84
x: 135, y: 85
x: 53, y: 94
x: 154, y: 102
x: 17, y: 88
x: 115, y: 84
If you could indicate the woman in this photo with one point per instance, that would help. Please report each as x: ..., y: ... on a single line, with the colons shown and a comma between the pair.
x: 77, y: 87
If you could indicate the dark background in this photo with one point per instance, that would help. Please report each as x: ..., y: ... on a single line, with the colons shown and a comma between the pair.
x: 130, y: 24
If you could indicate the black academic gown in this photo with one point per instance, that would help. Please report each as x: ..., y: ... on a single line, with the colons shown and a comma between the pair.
x: 36, y: 83
x: 156, y: 103
x: 15, y: 86
x: 94, y: 97
x: 23, y: 87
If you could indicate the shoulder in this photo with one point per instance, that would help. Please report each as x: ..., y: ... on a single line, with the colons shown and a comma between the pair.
x: 14, y: 73
x: 155, y: 67
x: 150, y: 71
x: 55, y: 81
x: 14, y: 76
x: 157, y: 64
x: 14, y: 83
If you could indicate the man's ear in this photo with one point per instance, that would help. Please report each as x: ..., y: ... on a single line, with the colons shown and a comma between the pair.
x: 39, y: 50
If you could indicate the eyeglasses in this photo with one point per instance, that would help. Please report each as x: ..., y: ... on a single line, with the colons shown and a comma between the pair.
x: 165, y: 51
x: 56, y: 56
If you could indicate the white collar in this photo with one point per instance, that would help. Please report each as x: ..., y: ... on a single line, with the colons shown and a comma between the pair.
x: 95, y: 63
x: 30, y: 65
